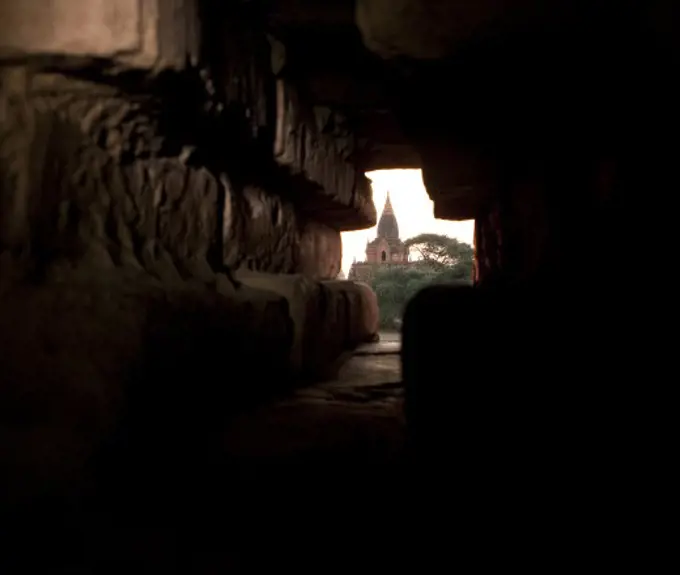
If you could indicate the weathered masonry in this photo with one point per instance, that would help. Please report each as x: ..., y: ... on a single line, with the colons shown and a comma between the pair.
x: 175, y: 175
x: 171, y: 209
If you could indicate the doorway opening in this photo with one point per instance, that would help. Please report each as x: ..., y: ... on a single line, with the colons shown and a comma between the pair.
x: 423, y: 250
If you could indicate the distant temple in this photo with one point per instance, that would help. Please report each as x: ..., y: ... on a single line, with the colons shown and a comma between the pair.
x: 386, y: 249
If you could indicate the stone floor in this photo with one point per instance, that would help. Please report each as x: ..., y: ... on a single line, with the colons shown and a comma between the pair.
x: 344, y: 439
x: 358, y: 414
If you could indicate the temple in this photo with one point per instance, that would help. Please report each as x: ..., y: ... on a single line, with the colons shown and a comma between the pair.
x: 387, y: 248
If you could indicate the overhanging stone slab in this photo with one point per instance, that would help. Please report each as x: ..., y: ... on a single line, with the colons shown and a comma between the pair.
x: 316, y: 144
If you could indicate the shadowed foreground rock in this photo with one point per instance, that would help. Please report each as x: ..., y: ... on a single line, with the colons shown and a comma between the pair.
x: 85, y: 359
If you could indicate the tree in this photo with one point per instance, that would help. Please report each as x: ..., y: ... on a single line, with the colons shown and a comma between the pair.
x: 394, y: 286
x: 441, y: 250
x: 443, y: 260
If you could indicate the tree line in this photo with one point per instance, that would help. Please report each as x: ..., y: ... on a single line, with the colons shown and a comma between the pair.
x: 442, y: 260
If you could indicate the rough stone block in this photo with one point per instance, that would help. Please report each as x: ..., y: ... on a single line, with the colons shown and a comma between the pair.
x: 260, y: 231
x: 94, y: 358
x: 144, y: 33
x: 97, y: 27
x: 362, y: 201
x: 330, y: 318
x: 362, y: 309
x: 370, y: 317
x: 458, y: 182
x: 76, y: 162
x: 423, y: 30
x: 320, y: 251
x: 316, y: 144
x: 302, y: 295
x: 80, y: 201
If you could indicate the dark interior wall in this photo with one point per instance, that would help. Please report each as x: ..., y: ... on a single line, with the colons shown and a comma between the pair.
x: 556, y: 129
x: 206, y: 129
x: 137, y: 192
x: 96, y: 166
x: 569, y: 128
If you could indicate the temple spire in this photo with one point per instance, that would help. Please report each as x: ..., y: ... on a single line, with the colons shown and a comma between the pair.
x: 388, y: 205
x: 387, y: 225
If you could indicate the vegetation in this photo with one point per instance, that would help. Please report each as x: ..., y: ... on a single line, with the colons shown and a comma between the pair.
x: 443, y: 260
x: 442, y: 250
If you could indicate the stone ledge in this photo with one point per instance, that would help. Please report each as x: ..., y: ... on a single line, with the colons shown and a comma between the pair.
x: 119, y: 359
x: 329, y: 317
x: 315, y: 143
x: 380, y: 348
x: 94, y: 358
x: 362, y: 307
x: 136, y: 207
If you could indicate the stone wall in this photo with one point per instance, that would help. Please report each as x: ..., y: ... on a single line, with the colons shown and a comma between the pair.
x: 97, y: 182
x: 108, y: 168
x: 89, y: 168
x: 318, y: 144
x: 264, y: 232
x: 159, y: 270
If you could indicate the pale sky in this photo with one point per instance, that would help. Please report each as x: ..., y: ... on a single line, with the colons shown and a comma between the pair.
x: 414, y: 211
